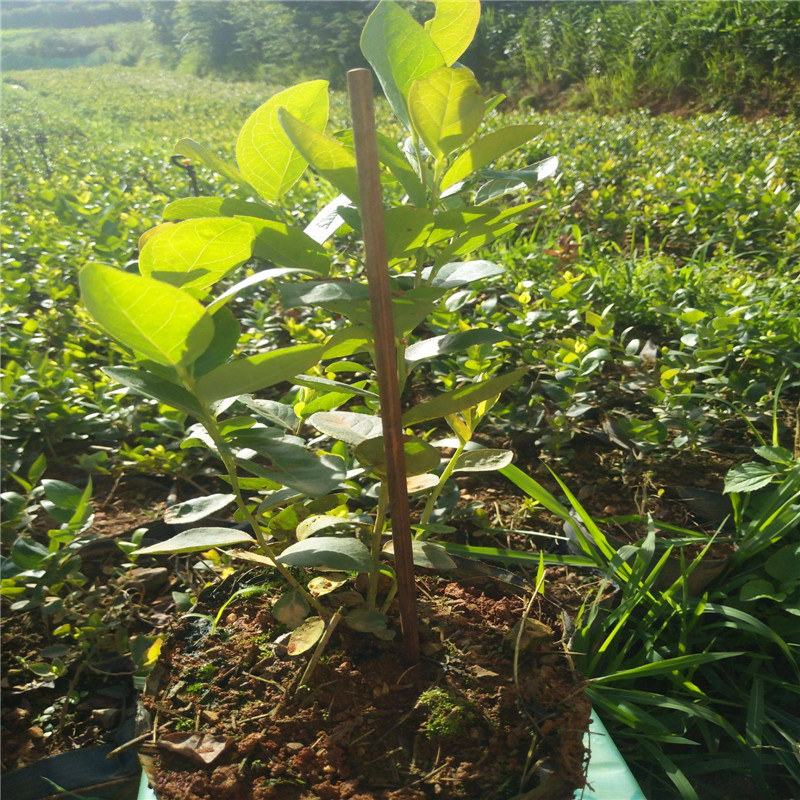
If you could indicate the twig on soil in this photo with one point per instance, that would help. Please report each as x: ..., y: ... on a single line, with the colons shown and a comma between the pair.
x: 521, y: 630
x: 136, y: 740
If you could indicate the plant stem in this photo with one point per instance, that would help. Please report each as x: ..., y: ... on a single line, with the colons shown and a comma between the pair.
x: 437, y: 490
x: 377, y: 534
x: 321, y: 645
x: 226, y: 456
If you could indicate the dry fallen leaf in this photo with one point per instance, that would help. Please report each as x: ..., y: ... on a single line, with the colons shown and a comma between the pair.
x: 202, y: 748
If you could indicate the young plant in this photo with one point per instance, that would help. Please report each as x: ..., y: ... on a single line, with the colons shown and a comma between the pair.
x: 299, y: 497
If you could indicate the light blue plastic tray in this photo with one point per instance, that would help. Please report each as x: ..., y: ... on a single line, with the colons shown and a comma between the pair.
x: 608, y: 776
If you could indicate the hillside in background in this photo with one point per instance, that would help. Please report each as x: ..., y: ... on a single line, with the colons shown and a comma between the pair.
x: 742, y: 57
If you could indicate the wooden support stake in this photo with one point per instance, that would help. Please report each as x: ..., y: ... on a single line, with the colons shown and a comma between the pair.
x: 359, y: 84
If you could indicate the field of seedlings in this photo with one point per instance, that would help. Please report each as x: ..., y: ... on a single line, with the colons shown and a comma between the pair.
x: 641, y: 324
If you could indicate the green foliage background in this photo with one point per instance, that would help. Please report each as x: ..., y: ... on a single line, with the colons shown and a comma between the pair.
x: 738, y: 56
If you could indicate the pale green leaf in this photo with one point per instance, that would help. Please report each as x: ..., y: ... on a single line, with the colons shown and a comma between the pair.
x: 291, y: 609
x: 312, y: 525
x: 197, y: 152
x: 157, y: 321
x: 453, y: 26
x: 343, y: 553
x: 464, y: 397
x: 420, y: 457
x: 484, y: 460
x: 426, y: 554
x: 154, y: 386
x: 366, y: 621
x: 452, y: 343
x: 305, y: 636
x: 322, y: 585
x: 194, y: 207
x: 266, y: 157
x: 196, y: 540
x: 400, y: 52
x: 196, y: 253
x: 446, y: 109
x: 459, y: 273
x: 197, y: 508
x: 335, y: 162
x: 347, y: 426
x: 488, y: 149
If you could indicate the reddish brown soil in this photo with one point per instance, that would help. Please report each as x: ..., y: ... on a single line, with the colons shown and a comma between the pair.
x: 358, y: 730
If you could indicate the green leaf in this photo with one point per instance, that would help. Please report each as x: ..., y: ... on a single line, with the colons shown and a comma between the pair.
x: 420, y: 457
x: 529, y: 175
x: 749, y: 477
x: 400, y: 52
x: 483, y: 460
x: 27, y: 553
x: 326, y: 384
x: 343, y: 553
x: 273, y: 411
x: 407, y: 229
x: 245, y: 375
x: 63, y: 495
x: 502, y: 182
x: 268, y: 160
x: 193, y: 207
x: 366, y: 621
x: 329, y: 157
x: 226, y: 336
x: 784, y: 564
x: 479, y: 228
x: 197, y: 508
x: 291, y: 609
x: 305, y: 636
x: 36, y: 470
x: 487, y: 149
x: 323, y: 293
x: 426, y: 554
x: 327, y: 401
x: 156, y: 320
x: 453, y: 26
x: 664, y: 667
x: 253, y: 280
x: 196, y: 540
x: 452, y: 343
x: 778, y: 455
x: 146, y: 383
x: 298, y: 468
x: 464, y: 397
x: 446, y: 109
x: 347, y: 426
x: 536, y: 491
x: 197, y: 152
x: 196, y: 253
x: 759, y: 589
x: 392, y: 157
x: 288, y: 247
x: 322, y: 522
x: 459, y: 273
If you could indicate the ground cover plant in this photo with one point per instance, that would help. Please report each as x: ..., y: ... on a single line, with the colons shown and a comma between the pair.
x: 603, y: 399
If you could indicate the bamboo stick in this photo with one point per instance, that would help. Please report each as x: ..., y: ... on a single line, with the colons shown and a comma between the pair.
x: 359, y: 83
